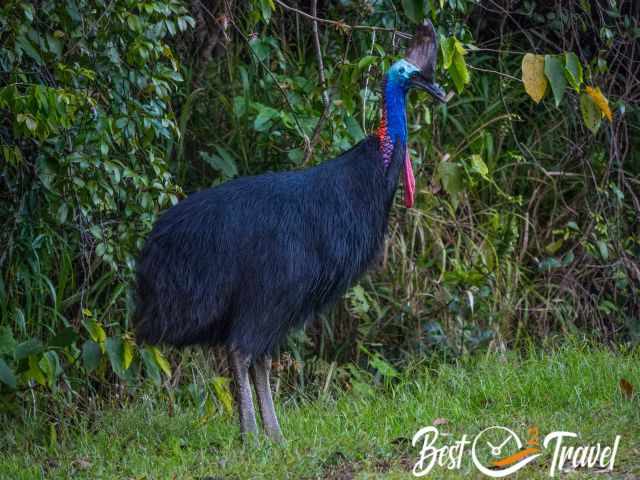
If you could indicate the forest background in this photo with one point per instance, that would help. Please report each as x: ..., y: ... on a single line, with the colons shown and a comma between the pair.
x: 525, y: 231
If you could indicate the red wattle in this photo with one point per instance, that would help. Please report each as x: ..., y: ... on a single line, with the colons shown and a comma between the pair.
x: 409, y: 181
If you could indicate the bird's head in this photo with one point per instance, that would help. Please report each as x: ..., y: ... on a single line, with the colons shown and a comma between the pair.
x: 417, y: 68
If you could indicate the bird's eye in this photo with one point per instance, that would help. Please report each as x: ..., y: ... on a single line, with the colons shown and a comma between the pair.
x: 401, y: 70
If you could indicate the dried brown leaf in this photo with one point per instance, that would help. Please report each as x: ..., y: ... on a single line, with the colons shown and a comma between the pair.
x: 626, y: 388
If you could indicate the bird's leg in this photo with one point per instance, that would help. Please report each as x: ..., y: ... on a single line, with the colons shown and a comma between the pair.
x: 240, y: 367
x: 260, y: 372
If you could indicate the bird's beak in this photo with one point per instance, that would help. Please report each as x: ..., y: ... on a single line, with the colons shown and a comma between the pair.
x: 432, y: 88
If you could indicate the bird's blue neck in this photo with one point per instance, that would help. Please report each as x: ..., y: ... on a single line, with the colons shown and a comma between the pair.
x: 393, y: 125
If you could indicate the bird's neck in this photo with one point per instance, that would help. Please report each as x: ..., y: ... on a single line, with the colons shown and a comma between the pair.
x: 393, y: 124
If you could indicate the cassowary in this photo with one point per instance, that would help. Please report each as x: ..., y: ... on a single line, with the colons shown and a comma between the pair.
x: 243, y: 263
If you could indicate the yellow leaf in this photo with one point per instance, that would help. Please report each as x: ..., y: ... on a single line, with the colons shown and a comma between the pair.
x: 535, y: 82
x: 96, y: 332
x: 600, y: 100
x: 127, y: 353
x: 223, y: 393
x: 34, y: 372
x: 553, y: 247
x: 161, y: 361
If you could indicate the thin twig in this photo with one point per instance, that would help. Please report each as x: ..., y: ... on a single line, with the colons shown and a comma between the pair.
x: 495, y: 72
x: 365, y: 97
x: 342, y: 25
x: 315, y: 137
x: 478, y: 49
x: 326, y: 99
x: 316, y: 41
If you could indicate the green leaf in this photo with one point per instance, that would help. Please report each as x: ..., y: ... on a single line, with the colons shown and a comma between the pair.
x: 25, y: 349
x: 28, y: 11
x: 101, y: 249
x: 134, y: 23
x: 266, y: 8
x: 366, y: 61
x: 63, y: 212
x: 171, y: 27
x: 414, y: 10
x: 354, y: 129
x: 72, y: 10
x: 478, y: 166
x: 450, y: 175
x: 6, y: 375
x: 383, y: 367
x: 95, y: 330
x: 50, y: 366
x: 263, y: 120
x: 55, y: 46
x: 64, y: 338
x: 151, y: 367
x: 458, y: 69
x: 7, y: 342
x: 573, y: 70
x: 226, y: 165
x: 359, y: 301
x: 223, y: 393
x: 240, y: 105
x: 549, y: 263
x: 34, y: 372
x: 91, y: 355
x: 260, y: 47
x: 231, y: 167
x: 568, y: 258
x: 115, y: 352
x: 53, y: 436
x: 28, y: 120
x: 590, y: 113
x: 603, y: 249
x: 447, y: 47
x: 296, y: 155
x: 27, y: 47
x: 554, y: 71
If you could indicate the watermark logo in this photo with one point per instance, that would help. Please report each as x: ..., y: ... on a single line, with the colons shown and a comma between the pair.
x: 498, y: 441
x: 498, y: 451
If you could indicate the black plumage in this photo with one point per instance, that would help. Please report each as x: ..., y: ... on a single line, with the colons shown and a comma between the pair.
x: 244, y: 262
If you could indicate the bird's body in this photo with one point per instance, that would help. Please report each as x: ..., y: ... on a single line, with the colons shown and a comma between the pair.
x: 242, y: 263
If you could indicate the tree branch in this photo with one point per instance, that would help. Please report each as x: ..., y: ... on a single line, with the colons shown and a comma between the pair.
x: 342, y: 25
x: 326, y: 99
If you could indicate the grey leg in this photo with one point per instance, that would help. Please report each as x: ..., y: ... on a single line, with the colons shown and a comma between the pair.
x: 260, y: 372
x: 240, y: 367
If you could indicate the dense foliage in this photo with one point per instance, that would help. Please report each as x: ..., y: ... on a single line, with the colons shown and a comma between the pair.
x: 526, y: 222
x: 86, y: 123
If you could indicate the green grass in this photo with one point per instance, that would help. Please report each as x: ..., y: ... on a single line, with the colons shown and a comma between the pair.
x: 355, y: 435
